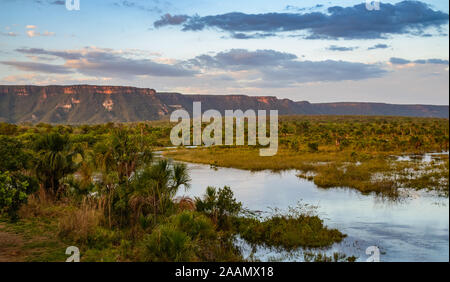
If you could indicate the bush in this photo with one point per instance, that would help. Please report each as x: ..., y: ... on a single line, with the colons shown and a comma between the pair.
x: 166, y: 243
x: 219, y: 204
x: 188, y: 236
x: 14, y: 191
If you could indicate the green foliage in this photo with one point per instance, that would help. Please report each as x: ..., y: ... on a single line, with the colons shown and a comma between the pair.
x: 149, y: 192
x: 55, y: 160
x: 166, y: 243
x: 288, y: 231
x: 13, y: 155
x: 219, y: 204
x: 188, y: 236
x: 14, y: 191
x: 122, y: 153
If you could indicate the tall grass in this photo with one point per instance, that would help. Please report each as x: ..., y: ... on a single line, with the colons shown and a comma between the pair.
x: 80, y: 224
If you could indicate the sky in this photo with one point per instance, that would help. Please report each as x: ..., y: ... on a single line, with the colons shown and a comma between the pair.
x: 305, y: 50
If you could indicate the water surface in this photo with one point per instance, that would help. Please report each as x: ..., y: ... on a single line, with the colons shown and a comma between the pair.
x: 415, y: 228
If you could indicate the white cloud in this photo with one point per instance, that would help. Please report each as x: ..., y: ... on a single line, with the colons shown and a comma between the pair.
x: 34, y: 33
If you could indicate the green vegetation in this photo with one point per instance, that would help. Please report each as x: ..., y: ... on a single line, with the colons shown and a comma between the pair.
x: 13, y: 193
x: 99, y: 188
x: 354, y: 152
x: 290, y: 231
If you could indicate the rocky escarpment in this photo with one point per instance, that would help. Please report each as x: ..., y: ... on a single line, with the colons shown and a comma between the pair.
x: 99, y: 104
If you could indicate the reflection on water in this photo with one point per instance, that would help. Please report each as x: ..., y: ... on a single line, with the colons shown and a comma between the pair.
x: 412, y: 229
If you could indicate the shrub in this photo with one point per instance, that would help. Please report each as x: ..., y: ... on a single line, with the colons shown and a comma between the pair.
x: 166, y: 243
x: 219, y: 205
x: 14, y: 191
x: 189, y: 236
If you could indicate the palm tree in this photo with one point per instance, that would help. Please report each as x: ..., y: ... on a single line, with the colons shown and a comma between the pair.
x: 118, y: 158
x: 122, y: 154
x: 55, y: 160
x: 155, y: 187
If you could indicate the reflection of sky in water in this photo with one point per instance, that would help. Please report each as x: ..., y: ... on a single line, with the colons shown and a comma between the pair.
x: 414, y: 229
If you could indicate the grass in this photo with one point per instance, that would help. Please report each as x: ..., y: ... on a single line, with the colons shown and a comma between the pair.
x: 248, y: 158
x: 37, y: 240
x: 44, y: 231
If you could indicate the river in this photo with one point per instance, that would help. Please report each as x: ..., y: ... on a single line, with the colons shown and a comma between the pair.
x: 414, y: 228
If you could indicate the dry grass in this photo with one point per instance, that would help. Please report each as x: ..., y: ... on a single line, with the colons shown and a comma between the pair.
x: 81, y: 223
x: 42, y: 205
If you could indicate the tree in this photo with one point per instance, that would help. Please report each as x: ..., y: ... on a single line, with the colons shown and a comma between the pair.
x: 14, y: 191
x: 219, y: 204
x: 55, y: 160
x: 13, y: 157
x: 156, y: 186
x: 122, y: 154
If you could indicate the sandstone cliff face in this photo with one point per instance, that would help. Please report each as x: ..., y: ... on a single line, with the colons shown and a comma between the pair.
x: 99, y: 104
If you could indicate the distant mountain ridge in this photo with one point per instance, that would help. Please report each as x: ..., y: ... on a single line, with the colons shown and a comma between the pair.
x: 78, y: 104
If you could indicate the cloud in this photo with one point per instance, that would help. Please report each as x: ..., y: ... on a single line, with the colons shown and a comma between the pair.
x: 168, y: 19
x: 58, y: 2
x: 153, y: 6
x: 34, y: 33
x: 242, y: 58
x: 30, y: 26
x: 12, y: 34
x: 236, y: 68
x: 269, y: 68
x: 356, y: 22
x: 437, y: 61
x: 378, y: 46
x: 257, y: 35
x: 240, y: 66
x: 38, y: 67
x: 68, y: 55
x: 107, y: 62
x: 400, y: 61
x: 341, y: 48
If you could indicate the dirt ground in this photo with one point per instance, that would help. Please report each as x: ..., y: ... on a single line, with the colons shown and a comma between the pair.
x: 10, y: 246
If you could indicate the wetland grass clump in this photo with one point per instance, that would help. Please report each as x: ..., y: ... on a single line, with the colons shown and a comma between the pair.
x: 357, y: 176
x: 288, y: 232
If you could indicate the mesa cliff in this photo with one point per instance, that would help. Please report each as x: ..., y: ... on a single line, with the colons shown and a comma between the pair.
x: 78, y: 104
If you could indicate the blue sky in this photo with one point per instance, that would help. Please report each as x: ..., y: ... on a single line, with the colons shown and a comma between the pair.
x: 320, y: 51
